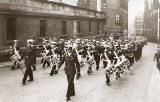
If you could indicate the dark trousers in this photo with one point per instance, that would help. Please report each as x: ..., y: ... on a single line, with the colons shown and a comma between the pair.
x: 130, y: 60
x: 28, y: 72
x: 61, y: 62
x: 107, y: 79
x: 70, y: 90
x: 104, y: 64
x: 97, y: 60
x: 46, y: 62
x: 34, y: 67
x: 53, y: 70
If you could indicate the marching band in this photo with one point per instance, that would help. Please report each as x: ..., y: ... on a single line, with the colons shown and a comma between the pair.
x: 117, y: 56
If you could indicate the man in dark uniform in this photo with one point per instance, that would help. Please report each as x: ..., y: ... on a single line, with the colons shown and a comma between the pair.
x: 96, y: 54
x: 29, y: 60
x: 140, y: 51
x: 130, y: 54
x: 84, y: 50
x: 135, y: 51
x: 70, y: 70
x: 157, y: 58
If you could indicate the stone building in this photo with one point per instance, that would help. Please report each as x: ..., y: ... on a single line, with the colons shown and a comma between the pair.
x: 117, y: 17
x: 24, y: 19
x: 151, y: 19
x: 138, y: 24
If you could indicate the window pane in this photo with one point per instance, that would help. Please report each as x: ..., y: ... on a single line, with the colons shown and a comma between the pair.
x: 98, y: 26
x: 89, y: 26
x: 79, y: 27
x: 63, y: 27
x: 10, y: 29
x: 42, y: 28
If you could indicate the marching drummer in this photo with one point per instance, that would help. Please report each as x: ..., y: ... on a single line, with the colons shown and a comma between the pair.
x: 15, y: 55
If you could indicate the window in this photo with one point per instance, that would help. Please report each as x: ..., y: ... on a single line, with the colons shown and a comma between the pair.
x: 98, y: 26
x: 63, y: 27
x: 42, y: 28
x: 117, y: 22
x: 11, y: 29
x: 89, y: 26
x: 79, y: 27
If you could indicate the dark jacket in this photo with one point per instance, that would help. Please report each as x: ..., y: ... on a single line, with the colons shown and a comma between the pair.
x: 70, y: 64
x: 28, y: 55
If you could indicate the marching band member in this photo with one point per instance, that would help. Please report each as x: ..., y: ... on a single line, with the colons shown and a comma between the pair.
x: 15, y: 56
x: 34, y: 54
x: 55, y: 58
x: 135, y: 51
x: 129, y: 54
x: 84, y: 49
x: 96, y: 53
x: 61, y: 46
x: 90, y: 59
x: 104, y: 57
x: 139, y: 50
x: 70, y: 70
x: 106, y: 63
x: 28, y: 56
x: 47, y: 52
x: 157, y: 58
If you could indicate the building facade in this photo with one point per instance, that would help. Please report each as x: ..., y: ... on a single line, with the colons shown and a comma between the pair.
x: 151, y: 20
x: 138, y: 24
x: 25, y: 19
x: 117, y: 17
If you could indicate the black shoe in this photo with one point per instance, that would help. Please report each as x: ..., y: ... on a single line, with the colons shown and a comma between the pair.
x: 117, y: 78
x: 78, y: 75
x: 68, y: 99
x: 56, y: 72
x: 23, y: 82
x: 51, y: 74
x: 13, y: 67
x: 29, y: 80
x: 108, y: 83
x: 73, y: 94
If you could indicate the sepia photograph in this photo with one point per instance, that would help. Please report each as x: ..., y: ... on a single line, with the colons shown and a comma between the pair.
x: 79, y: 50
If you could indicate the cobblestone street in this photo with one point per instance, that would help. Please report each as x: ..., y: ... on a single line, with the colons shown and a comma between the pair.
x: 140, y: 84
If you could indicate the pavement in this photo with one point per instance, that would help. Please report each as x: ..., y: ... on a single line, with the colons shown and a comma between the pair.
x: 9, y: 63
x: 140, y: 84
